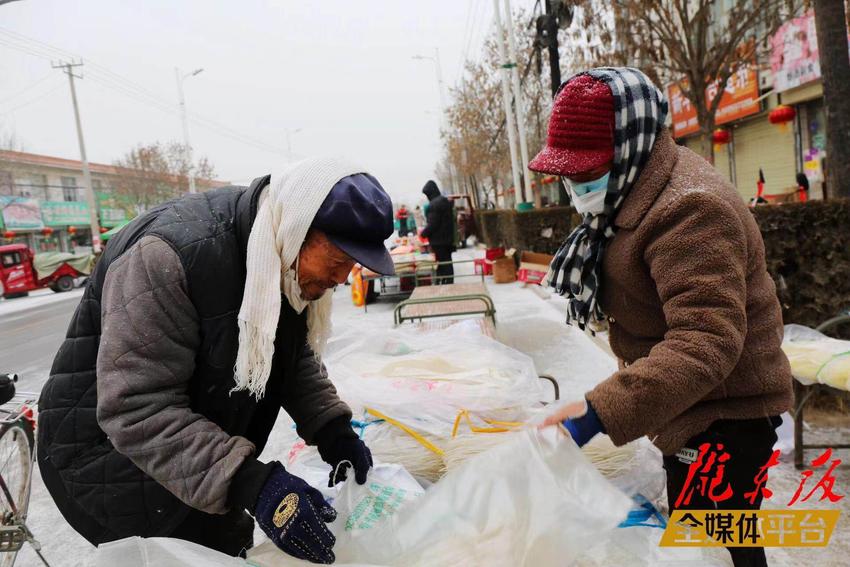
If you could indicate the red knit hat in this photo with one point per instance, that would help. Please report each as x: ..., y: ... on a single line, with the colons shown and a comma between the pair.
x: 581, y: 129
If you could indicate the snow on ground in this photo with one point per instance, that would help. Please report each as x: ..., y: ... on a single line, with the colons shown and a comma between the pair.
x: 37, y: 298
x: 528, y: 323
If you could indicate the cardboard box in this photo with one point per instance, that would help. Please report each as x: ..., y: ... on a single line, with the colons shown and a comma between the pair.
x: 533, y: 267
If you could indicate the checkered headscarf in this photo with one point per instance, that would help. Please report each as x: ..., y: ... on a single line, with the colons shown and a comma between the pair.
x: 639, y: 113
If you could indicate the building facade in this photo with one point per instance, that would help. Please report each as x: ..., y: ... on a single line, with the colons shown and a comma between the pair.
x: 771, y: 120
x: 43, y: 203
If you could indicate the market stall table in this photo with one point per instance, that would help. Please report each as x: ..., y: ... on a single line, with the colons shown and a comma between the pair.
x: 450, y: 300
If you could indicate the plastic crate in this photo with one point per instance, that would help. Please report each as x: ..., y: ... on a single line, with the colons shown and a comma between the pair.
x: 530, y: 276
x: 483, y: 267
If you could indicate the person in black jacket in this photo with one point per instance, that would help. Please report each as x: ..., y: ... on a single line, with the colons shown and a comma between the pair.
x: 146, y: 427
x: 440, y: 230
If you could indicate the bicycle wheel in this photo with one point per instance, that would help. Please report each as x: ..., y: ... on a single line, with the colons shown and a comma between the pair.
x: 16, y: 458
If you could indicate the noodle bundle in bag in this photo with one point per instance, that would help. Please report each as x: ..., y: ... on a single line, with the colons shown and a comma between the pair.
x: 534, y: 500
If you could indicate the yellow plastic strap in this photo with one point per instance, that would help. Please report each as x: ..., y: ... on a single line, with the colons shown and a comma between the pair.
x: 505, y: 425
x: 418, y: 436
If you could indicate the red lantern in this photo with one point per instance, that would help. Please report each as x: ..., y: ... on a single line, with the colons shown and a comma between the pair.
x: 72, y: 230
x: 9, y: 234
x: 721, y: 137
x: 782, y: 115
x: 103, y: 229
x: 46, y: 231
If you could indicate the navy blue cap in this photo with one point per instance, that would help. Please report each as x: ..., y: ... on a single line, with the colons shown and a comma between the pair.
x: 357, y: 216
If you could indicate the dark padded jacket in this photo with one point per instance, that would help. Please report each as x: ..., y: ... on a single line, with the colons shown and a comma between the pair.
x: 137, y: 422
x: 440, y: 229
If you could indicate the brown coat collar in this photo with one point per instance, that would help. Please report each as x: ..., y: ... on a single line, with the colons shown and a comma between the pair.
x: 651, y: 181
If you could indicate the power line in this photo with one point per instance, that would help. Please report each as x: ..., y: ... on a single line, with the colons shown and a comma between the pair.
x: 26, y: 88
x: 32, y: 100
x: 108, y: 78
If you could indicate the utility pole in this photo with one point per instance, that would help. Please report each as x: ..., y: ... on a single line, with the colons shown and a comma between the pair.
x: 442, y: 92
x: 68, y: 69
x: 518, y: 103
x: 506, y: 96
x: 187, y: 146
x: 547, y: 28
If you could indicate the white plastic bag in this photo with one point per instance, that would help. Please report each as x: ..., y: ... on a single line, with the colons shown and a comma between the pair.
x: 535, y: 501
x: 817, y: 358
x: 426, y: 378
x: 363, y: 507
x: 160, y: 552
x: 637, y: 546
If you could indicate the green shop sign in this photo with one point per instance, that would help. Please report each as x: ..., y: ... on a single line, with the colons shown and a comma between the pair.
x: 112, y: 217
x: 65, y: 213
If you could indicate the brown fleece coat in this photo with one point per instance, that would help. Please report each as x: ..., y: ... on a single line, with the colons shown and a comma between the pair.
x: 693, y: 313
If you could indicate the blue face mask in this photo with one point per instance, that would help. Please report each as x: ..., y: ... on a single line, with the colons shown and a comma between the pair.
x: 584, y: 187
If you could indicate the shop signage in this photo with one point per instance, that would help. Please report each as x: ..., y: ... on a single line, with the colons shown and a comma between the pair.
x: 112, y: 217
x: 794, y: 53
x: 20, y: 213
x: 740, y: 98
x: 65, y: 213
x: 683, y: 113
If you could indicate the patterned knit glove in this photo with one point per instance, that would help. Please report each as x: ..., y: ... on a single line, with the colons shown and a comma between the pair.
x: 293, y: 514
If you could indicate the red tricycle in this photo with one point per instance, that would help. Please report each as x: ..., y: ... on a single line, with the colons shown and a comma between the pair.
x: 22, y: 271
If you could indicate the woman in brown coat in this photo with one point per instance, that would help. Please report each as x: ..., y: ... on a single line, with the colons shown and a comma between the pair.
x: 670, y: 261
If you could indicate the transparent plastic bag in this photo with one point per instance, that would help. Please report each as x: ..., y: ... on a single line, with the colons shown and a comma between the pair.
x: 534, y: 500
x: 817, y: 358
x: 160, y: 552
x: 427, y: 378
x: 637, y: 546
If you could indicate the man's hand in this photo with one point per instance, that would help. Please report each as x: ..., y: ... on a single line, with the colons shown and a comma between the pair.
x: 341, y: 448
x: 293, y: 514
x: 579, y: 419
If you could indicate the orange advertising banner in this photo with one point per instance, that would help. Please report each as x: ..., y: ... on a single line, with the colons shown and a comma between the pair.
x: 739, y: 99
x: 684, y: 114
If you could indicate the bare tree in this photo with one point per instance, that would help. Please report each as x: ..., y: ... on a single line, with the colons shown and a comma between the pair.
x: 475, y: 140
x: 9, y: 140
x: 831, y: 23
x: 154, y: 173
x: 695, y: 43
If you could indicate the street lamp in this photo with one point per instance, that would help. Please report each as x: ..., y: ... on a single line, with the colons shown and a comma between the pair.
x: 289, y: 133
x: 187, y: 146
x: 436, y: 60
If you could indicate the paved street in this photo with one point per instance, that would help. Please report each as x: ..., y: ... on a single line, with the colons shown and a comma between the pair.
x: 31, y: 331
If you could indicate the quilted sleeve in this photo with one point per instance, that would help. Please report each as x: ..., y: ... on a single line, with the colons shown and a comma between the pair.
x: 149, y: 337
x: 310, y: 397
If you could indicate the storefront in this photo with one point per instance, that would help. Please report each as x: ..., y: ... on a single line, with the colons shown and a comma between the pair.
x: 70, y: 223
x: 777, y: 128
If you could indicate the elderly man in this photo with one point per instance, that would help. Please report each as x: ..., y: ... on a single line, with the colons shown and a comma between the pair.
x: 202, y: 319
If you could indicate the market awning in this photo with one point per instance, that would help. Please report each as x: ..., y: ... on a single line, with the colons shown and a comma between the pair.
x: 113, y: 231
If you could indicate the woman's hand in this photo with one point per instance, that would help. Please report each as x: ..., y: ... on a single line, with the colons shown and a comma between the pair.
x: 579, y: 419
x: 568, y: 411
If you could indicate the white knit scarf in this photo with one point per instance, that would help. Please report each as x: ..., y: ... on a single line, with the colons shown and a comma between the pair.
x: 285, y: 214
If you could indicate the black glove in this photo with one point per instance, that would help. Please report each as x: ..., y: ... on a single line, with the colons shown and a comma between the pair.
x: 337, y: 442
x: 293, y: 514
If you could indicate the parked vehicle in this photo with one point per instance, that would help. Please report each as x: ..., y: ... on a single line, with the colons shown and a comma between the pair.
x: 22, y: 271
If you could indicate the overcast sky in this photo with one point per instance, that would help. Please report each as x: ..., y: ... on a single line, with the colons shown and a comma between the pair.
x: 341, y: 71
